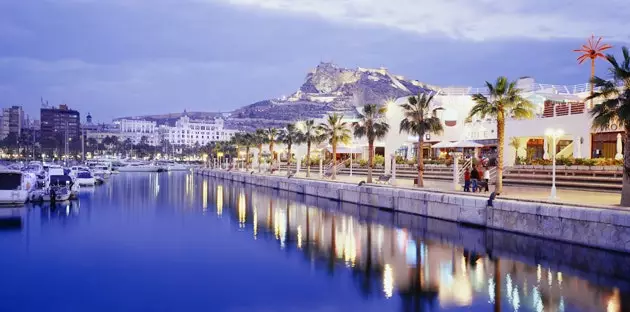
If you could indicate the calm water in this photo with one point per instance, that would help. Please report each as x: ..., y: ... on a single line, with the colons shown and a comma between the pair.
x: 180, y: 242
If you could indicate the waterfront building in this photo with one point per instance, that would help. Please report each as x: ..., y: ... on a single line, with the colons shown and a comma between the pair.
x: 196, y: 132
x: 137, y: 130
x: 12, y: 121
x: 58, y: 124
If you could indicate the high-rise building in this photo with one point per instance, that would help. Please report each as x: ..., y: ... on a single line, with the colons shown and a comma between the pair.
x: 12, y: 119
x: 57, y: 124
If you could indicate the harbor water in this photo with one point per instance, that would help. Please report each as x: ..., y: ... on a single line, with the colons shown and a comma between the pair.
x: 183, y: 242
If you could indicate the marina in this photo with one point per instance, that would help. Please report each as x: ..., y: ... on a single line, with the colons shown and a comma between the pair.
x: 181, y: 241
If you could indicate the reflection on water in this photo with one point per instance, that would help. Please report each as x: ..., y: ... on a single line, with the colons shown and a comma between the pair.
x: 394, y: 262
x: 421, y: 272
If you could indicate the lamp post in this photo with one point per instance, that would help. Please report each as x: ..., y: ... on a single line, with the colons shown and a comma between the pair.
x: 554, y: 134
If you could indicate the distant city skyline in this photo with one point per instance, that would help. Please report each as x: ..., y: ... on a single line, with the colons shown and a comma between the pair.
x: 131, y: 57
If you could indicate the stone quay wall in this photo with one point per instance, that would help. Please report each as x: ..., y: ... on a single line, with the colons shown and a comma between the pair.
x: 606, y: 228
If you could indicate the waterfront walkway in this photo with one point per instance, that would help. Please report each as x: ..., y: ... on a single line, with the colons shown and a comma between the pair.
x: 567, y: 196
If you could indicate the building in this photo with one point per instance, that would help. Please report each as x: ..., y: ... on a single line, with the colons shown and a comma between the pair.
x: 12, y: 121
x: 135, y: 129
x: 57, y: 124
x: 199, y: 132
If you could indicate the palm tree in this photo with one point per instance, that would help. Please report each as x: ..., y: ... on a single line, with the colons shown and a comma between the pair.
x: 336, y: 131
x: 248, y: 142
x: 615, y: 109
x: 371, y: 124
x: 258, y: 139
x: 289, y: 136
x: 504, y: 101
x: 516, y: 144
x: 311, y: 134
x: 592, y: 50
x: 420, y: 119
x: 271, y: 137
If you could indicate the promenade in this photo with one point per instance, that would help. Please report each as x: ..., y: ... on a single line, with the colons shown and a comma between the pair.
x: 531, y: 193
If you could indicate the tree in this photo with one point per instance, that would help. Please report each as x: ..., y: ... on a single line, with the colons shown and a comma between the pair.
x: 258, y: 139
x: 289, y: 136
x: 420, y: 119
x: 615, y: 109
x: 592, y: 50
x: 127, y: 146
x: 336, y: 131
x: 371, y: 124
x: 311, y: 134
x: 271, y: 137
x: 504, y: 101
x: 516, y: 144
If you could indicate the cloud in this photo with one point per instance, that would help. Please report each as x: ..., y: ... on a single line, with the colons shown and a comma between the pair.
x: 468, y: 19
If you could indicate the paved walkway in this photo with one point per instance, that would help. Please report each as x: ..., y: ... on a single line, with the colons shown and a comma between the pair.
x: 569, y: 196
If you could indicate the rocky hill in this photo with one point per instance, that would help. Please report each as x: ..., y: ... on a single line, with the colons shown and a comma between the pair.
x: 327, y: 88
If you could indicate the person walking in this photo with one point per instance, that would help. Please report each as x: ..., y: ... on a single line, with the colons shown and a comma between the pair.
x: 474, y: 177
x: 486, y: 179
x: 467, y: 180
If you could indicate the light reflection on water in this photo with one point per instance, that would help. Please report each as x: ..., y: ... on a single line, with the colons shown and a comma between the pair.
x: 393, y: 262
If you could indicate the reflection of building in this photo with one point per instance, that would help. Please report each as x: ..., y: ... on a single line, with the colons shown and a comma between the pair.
x: 388, y: 261
x: 56, y: 123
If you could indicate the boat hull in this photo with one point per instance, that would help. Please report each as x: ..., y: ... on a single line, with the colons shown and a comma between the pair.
x: 139, y: 169
x: 17, y: 197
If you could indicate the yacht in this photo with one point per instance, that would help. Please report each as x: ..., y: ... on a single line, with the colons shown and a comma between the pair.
x: 13, y: 188
x: 57, y: 177
x: 139, y: 167
x: 173, y: 166
x: 84, y: 178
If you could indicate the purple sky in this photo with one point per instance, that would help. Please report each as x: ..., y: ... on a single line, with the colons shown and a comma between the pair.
x: 126, y: 57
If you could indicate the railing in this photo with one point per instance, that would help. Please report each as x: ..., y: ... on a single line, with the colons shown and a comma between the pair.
x: 467, y: 164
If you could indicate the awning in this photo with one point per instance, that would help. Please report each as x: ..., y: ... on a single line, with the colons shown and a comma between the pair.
x: 443, y: 144
x: 466, y: 144
x: 347, y: 149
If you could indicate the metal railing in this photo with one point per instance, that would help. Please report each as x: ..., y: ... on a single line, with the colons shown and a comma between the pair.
x: 535, y: 87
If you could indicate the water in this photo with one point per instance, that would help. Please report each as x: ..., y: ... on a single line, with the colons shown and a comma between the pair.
x: 180, y: 242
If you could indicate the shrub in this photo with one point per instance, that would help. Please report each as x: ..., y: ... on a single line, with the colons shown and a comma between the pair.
x: 543, y: 162
x: 521, y: 160
x: 412, y: 162
x: 400, y: 160
x: 608, y: 162
x: 565, y: 161
x: 363, y: 163
x: 379, y: 160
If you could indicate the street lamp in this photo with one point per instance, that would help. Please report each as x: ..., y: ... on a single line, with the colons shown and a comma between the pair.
x: 554, y: 134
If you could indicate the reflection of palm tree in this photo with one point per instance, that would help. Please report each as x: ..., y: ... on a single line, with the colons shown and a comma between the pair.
x: 333, y: 247
x: 418, y: 294
x: 497, y: 285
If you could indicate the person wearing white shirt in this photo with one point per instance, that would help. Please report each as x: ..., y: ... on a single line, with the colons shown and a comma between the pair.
x: 486, y: 178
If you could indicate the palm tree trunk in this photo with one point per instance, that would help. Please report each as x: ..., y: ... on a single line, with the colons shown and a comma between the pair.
x: 420, y: 157
x: 500, y: 140
x: 590, y: 105
x: 259, y: 156
x: 334, y: 160
x: 247, y: 158
x: 370, y: 160
x: 308, y: 159
x: 288, y: 161
x: 625, y: 191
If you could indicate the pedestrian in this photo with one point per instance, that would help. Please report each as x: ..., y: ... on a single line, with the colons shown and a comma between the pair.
x: 474, y: 177
x: 486, y: 179
x: 467, y: 180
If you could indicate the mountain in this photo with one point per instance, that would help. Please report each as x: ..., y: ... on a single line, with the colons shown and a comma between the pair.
x: 327, y: 88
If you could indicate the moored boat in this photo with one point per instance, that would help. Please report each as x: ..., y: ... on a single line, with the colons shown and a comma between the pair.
x: 13, y: 190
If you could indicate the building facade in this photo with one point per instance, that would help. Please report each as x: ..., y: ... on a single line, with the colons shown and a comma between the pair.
x: 60, y: 126
x: 12, y: 121
x: 135, y: 129
x: 200, y: 132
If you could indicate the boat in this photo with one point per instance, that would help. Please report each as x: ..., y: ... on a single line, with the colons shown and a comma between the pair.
x: 62, y: 180
x: 139, y: 167
x: 60, y: 194
x: 173, y: 166
x: 98, y: 179
x: 84, y: 178
x: 13, y: 188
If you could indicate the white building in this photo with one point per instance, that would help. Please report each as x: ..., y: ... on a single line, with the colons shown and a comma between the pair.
x: 191, y: 132
x: 135, y: 129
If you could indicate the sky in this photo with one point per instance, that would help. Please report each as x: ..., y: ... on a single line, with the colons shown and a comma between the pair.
x: 116, y: 58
